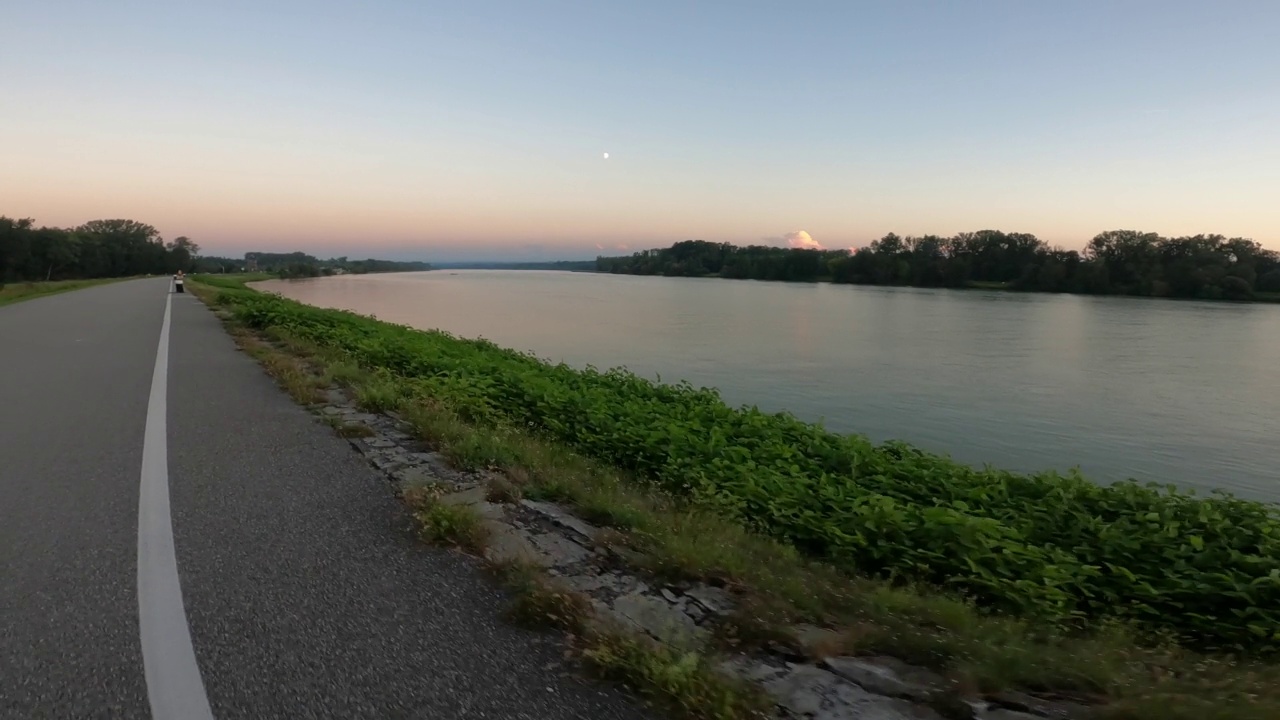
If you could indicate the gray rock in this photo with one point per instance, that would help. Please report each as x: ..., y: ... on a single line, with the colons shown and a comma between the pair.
x: 415, y: 476
x: 435, y: 463
x: 998, y: 713
x: 589, y: 583
x: 381, y: 442
x: 559, y: 551
x: 814, y: 641
x: 712, y: 599
x: 469, y: 496
x: 387, y: 462
x: 489, y: 511
x: 1030, y: 705
x: 562, y: 518
x: 812, y: 692
x: 609, y: 584
x: 331, y: 410
x: 751, y: 669
x: 626, y: 555
x: 670, y: 596
x: 693, y: 610
x: 659, y: 619
x: 506, y: 544
x: 887, y: 676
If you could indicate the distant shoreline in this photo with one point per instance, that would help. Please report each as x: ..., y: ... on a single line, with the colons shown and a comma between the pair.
x: 1259, y: 298
x: 1120, y: 263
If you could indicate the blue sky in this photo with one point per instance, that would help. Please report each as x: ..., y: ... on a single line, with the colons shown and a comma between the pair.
x: 477, y: 129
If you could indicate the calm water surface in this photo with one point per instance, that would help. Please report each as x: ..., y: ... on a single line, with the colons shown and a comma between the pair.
x: 1182, y: 392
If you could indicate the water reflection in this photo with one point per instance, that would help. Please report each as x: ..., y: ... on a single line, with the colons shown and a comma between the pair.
x: 1168, y: 391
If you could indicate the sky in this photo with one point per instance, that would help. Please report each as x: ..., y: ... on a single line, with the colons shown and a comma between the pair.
x: 478, y: 129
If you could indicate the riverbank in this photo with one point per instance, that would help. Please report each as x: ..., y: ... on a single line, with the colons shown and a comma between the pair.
x: 677, y: 476
x: 1258, y: 297
x: 1117, y: 262
x: 19, y: 291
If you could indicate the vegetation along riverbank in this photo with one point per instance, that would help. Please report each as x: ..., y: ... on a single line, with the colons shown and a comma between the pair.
x: 1117, y: 262
x: 16, y: 292
x: 125, y: 248
x: 1158, y: 603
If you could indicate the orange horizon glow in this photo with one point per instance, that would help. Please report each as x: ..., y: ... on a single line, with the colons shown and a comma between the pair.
x: 439, y: 135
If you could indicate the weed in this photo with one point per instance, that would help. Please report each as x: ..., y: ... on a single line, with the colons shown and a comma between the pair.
x: 441, y: 523
x: 684, y: 682
x: 354, y: 430
x: 502, y: 490
x: 378, y: 394
x: 346, y: 374
x: 538, y: 601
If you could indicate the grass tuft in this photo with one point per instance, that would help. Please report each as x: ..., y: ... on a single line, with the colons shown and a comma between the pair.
x: 502, y: 490
x: 378, y: 394
x: 440, y: 523
x: 346, y: 374
x: 354, y: 430
x: 683, y: 682
x: 539, y: 602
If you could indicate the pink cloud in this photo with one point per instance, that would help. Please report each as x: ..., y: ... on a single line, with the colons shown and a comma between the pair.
x: 801, y: 240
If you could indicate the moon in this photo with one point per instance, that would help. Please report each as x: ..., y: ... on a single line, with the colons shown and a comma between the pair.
x: 606, y: 156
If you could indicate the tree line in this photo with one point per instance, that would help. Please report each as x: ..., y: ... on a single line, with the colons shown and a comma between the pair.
x: 1116, y: 262
x: 96, y: 249
x: 123, y: 248
x: 298, y: 265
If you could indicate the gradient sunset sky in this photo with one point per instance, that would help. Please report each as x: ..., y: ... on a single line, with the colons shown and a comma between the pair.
x: 476, y: 129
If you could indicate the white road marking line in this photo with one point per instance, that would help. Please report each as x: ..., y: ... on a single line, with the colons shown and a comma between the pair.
x: 174, y: 686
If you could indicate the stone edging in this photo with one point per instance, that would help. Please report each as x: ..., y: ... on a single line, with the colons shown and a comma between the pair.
x: 549, y: 535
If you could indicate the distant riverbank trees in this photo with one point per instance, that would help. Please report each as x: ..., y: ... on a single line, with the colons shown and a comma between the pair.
x: 96, y: 249
x: 1116, y: 262
x: 122, y: 248
x: 300, y: 265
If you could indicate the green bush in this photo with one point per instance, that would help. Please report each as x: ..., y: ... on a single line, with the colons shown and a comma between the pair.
x: 1053, y: 547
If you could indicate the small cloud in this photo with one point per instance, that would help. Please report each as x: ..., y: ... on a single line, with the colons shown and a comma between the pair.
x: 801, y: 239
x: 798, y: 239
x: 622, y: 246
x: 599, y: 246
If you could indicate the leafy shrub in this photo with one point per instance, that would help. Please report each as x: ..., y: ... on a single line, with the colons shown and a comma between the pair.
x: 1048, y: 546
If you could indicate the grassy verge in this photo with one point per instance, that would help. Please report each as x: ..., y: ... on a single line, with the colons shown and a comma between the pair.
x: 1055, y: 548
x: 17, y: 292
x: 1132, y: 673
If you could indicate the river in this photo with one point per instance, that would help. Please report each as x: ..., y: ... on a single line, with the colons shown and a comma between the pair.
x: 1157, y: 390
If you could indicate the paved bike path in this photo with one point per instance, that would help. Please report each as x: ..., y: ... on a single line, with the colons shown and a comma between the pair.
x: 303, y: 593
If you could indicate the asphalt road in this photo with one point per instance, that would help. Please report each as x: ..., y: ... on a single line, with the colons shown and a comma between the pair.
x: 301, y: 590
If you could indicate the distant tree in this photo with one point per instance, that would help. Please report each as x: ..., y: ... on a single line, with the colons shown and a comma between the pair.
x: 14, y: 239
x: 182, y: 254
x: 54, y: 251
x: 1270, y: 282
x: 1116, y: 261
